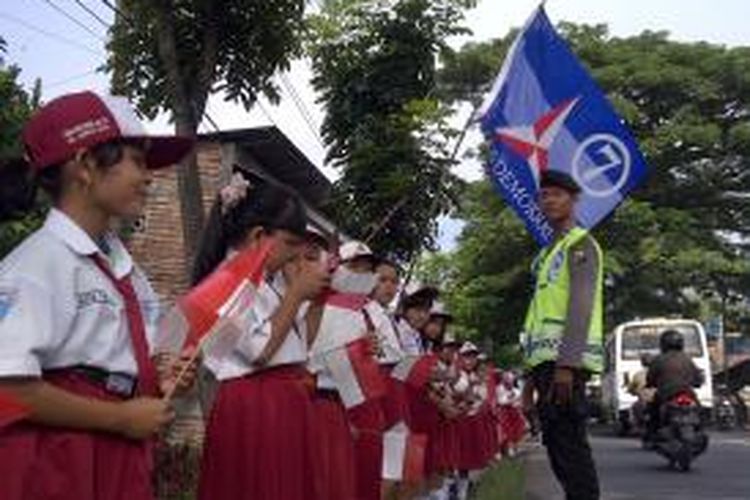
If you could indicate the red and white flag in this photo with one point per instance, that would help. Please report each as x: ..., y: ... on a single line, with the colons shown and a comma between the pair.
x: 342, y: 322
x: 415, y: 371
x: 213, y: 306
x: 355, y: 372
x: 403, y: 454
x: 11, y: 409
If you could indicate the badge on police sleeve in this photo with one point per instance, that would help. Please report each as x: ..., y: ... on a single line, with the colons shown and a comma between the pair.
x: 7, y: 299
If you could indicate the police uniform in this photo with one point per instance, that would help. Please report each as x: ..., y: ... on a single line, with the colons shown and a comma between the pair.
x: 564, y: 329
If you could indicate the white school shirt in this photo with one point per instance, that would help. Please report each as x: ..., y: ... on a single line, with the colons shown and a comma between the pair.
x: 389, y: 347
x: 256, y: 326
x: 58, y: 309
x: 411, y: 340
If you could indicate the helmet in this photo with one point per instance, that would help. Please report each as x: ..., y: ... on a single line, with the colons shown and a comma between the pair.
x: 671, y: 340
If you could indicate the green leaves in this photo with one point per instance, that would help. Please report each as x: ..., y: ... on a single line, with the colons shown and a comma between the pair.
x: 679, y: 245
x: 16, y: 105
x: 234, y: 46
x: 374, y: 66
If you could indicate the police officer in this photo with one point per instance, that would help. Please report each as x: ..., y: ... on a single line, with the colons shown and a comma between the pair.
x: 563, y: 337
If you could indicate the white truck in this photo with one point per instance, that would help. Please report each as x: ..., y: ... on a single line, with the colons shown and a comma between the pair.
x: 624, y: 349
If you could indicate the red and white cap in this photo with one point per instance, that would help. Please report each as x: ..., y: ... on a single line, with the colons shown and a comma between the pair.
x: 468, y: 348
x: 354, y: 250
x: 438, y: 310
x: 70, y: 123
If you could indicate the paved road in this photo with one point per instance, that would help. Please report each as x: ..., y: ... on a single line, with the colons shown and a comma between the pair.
x: 628, y: 473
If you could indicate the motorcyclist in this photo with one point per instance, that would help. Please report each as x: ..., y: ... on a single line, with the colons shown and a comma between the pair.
x: 670, y: 373
x: 638, y: 388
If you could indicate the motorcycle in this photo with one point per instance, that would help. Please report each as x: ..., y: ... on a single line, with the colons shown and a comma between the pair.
x: 680, y: 437
x: 725, y: 413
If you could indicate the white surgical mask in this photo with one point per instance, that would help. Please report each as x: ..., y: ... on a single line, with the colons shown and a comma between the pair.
x: 346, y: 281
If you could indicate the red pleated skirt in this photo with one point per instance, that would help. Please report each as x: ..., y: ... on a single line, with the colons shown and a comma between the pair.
x: 489, y: 439
x: 44, y: 463
x: 395, y: 406
x: 335, y: 464
x: 448, y: 448
x: 423, y: 417
x: 368, y: 423
x: 260, y: 439
x: 512, y: 424
x: 473, y: 435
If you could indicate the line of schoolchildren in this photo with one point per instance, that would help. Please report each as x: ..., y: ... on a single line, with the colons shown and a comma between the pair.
x: 78, y: 320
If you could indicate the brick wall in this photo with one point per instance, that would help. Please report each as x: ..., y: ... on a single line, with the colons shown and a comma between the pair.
x: 158, y: 244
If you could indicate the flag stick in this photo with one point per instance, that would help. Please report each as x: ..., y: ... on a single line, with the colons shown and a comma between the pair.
x: 193, y: 358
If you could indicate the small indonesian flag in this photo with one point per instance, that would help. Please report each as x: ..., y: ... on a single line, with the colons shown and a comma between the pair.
x: 342, y: 322
x: 355, y: 372
x: 415, y: 371
x: 214, y: 304
x: 11, y: 409
x: 403, y: 454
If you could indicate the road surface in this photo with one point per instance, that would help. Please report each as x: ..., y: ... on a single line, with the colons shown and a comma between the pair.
x: 629, y: 473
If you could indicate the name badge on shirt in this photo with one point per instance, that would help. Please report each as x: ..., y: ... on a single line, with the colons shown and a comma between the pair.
x: 95, y: 296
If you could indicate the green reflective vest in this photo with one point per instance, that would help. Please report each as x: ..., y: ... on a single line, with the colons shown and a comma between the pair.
x: 545, y: 320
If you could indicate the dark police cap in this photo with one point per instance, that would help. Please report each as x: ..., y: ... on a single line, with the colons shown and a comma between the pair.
x: 561, y: 180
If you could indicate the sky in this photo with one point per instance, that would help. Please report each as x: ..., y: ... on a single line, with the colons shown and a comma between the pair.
x: 47, y: 44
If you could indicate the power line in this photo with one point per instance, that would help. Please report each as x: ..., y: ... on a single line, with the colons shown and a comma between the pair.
x: 266, y: 113
x: 75, y: 20
x: 57, y: 83
x: 57, y: 37
x: 93, y: 14
x: 299, y: 103
x: 116, y: 10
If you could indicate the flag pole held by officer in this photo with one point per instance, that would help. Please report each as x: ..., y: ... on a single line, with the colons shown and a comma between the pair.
x: 563, y: 160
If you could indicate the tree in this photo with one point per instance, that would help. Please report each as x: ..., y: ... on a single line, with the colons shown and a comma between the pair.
x: 374, y: 65
x: 16, y: 105
x: 170, y: 55
x: 680, y: 243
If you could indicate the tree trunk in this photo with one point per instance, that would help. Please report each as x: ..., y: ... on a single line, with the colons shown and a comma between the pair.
x: 186, y: 116
x: 191, y: 196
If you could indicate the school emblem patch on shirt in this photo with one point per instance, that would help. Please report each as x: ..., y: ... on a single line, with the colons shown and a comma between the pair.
x: 7, y: 299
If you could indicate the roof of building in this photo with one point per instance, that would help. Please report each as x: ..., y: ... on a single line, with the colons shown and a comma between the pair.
x: 280, y: 158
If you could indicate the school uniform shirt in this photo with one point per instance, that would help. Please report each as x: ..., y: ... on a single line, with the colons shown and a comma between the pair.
x: 256, y: 326
x: 58, y: 309
x: 410, y: 339
x: 389, y: 347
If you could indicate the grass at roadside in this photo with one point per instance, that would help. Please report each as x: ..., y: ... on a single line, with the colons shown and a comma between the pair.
x: 504, y: 481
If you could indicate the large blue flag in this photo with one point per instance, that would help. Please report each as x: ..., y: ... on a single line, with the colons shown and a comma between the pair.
x: 546, y: 112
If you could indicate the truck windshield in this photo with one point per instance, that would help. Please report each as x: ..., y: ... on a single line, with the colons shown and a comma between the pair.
x: 643, y: 339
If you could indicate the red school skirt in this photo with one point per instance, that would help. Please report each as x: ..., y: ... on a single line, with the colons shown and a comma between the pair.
x: 335, y: 464
x: 423, y: 417
x: 368, y: 424
x: 260, y: 439
x: 512, y: 425
x: 449, y: 442
x: 46, y: 463
x: 476, y: 438
x: 395, y: 406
